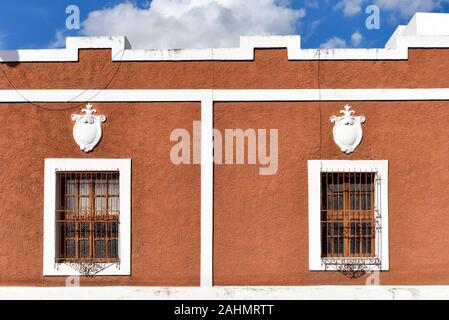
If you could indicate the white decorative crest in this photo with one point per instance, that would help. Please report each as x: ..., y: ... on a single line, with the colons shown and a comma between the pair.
x: 348, y: 130
x: 87, y: 130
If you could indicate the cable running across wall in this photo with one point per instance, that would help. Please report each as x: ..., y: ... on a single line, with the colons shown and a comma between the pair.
x: 75, y: 97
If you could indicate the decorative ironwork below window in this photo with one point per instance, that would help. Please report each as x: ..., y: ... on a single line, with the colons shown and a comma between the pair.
x: 87, y: 220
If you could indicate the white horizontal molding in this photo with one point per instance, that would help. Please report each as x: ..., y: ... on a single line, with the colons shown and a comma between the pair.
x: 369, y: 292
x: 331, y: 94
x: 117, y: 45
x: 244, y: 52
x: 425, y: 30
x: 92, y: 95
x: 136, y: 95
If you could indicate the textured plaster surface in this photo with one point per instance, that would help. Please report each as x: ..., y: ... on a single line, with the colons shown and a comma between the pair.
x: 165, y: 198
x: 425, y: 68
x: 260, y: 235
x: 260, y: 225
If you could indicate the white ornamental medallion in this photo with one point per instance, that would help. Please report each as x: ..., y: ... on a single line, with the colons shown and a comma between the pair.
x: 87, y: 130
x: 347, y: 130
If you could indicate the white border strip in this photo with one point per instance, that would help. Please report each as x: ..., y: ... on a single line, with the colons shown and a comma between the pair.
x: 138, y: 95
x: 207, y: 193
x: 227, y: 293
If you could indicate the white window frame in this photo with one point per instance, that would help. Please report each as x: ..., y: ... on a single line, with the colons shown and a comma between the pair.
x: 57, y: 165
x: 315, y: 167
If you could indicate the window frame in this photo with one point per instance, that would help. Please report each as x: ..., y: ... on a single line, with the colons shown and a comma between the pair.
x: 315, y: 168
x: 51, y: 268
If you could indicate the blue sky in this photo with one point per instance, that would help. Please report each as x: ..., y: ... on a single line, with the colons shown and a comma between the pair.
x: 28, y: 24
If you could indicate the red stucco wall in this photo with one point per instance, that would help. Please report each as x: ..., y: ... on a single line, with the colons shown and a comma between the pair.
x: 425, y: 68
x: 260, y: 227
x: 165, y: 197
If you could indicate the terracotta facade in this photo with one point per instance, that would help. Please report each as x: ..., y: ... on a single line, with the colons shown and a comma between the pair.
x: 260, y: 223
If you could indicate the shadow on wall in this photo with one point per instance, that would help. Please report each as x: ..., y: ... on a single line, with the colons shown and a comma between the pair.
x: 9, y: 57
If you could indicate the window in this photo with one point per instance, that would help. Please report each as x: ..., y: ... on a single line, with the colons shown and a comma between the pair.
x: 87, y: 216
x: 348, y: 214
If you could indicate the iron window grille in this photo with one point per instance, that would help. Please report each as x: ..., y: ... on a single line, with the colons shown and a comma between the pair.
x: 350, y: 221
x: 87, y: 219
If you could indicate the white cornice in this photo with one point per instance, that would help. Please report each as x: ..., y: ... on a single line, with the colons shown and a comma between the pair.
x: 217, y: 95
x: 425, y: 30
x: 117, y: 45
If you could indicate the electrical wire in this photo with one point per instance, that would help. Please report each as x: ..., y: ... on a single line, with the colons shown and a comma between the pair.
x: 122, y: 51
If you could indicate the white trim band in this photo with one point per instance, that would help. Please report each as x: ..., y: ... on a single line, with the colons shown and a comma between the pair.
x: 173, y: 95
x: 369, y: 292
x: 207, y: 193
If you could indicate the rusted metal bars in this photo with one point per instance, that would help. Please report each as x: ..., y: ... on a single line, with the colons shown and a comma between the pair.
x: 87, y: 216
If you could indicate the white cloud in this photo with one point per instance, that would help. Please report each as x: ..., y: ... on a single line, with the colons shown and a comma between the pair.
x: 312, y: 4
x: 314, y: 25
x: 350, y: 7
x: 337, y: 42
x: 311, y: 28
x: 406, y: 8
x: 193, y: 23
x: 59, y: 40
x: 334, y: 42
x: 356, y: 39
